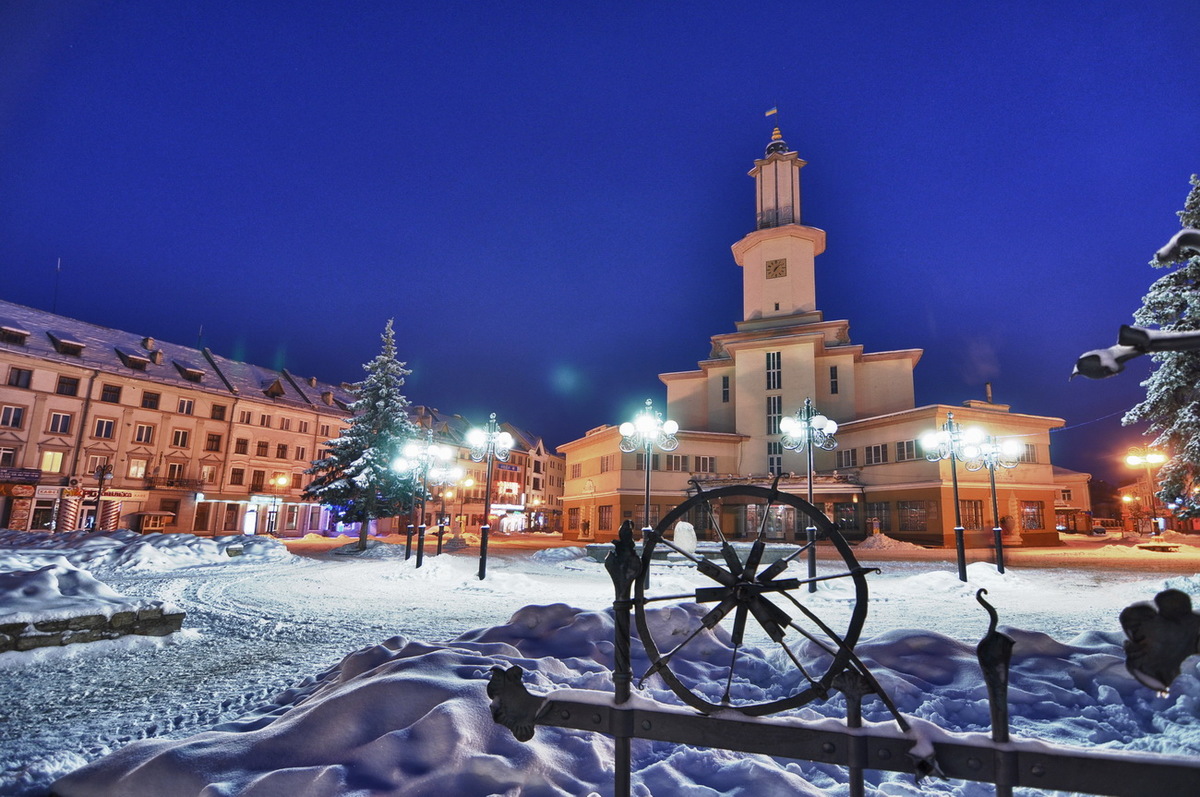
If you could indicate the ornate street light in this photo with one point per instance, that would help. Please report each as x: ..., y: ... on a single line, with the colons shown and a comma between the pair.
x: 646, y: 431
x: 808, y: 429
x: 278, y: 483
x: 990, y: 453
x: 1138, y: 457
x: 444, y: 476
x: 488, y: 444
x: 456, y: 541
x: 948, y: 443
x: 418, y: 457
x: 103, y: 476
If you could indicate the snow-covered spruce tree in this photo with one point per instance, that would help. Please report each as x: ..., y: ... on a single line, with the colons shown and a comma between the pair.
x: 1172, y: 403
x: 355, y: 477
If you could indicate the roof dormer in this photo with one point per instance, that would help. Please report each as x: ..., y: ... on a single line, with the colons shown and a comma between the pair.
x: 64, y: 344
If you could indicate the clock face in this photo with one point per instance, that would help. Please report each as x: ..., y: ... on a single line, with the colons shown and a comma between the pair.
x: 776, y: 268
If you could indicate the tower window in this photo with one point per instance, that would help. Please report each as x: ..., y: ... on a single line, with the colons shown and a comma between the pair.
x: 833, y: 380
x: 725, y: 390
x: 774, y: 370
x: 774, y: 413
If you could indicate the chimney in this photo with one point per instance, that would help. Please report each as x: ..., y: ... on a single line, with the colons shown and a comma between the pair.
x: 148, y: 344
x: 987, y: 386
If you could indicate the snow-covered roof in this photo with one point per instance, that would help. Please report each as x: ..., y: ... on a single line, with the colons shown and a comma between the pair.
x: 60, y: 339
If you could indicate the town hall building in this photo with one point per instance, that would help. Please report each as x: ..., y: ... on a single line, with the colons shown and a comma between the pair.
x: 782, y: 353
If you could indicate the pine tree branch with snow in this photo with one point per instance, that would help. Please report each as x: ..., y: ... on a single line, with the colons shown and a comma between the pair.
x: 1170, y: 408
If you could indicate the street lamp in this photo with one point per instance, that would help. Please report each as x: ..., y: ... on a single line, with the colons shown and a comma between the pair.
x: 103, y: 476
x: 444, y: 476
x: 1138, y: 457
x: 990, y: 453
x: 646, y: 431
x: 488, y: 444
x: 1133, y: 508
x: 418, y: 457
x: 948, y: 443
x: 456, y: 541
x: 278, y: 483
x: 809, y: 429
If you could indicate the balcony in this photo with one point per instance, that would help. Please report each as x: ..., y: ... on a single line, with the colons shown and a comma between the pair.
x: 169, y: 483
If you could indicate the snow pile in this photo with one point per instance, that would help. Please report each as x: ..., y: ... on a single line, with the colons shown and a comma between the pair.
x: 565, y: 554
x: 882, y: 542
x: 58, y: 591
x: 412, y: 718
x: 128, y: 551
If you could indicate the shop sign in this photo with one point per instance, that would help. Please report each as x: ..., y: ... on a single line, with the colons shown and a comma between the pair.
x: 48, y: 492
x: 505, y: 466
x: 18, y: 491
x: 114, y: 494
x: 20, y: 475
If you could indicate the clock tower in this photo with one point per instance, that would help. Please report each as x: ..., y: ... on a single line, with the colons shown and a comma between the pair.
x: 777, y: 258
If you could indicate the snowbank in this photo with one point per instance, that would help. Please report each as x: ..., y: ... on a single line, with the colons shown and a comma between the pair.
x: 128, y: 551
x: 58, y: 591
x: 411, y: 718
x: 882, y: 542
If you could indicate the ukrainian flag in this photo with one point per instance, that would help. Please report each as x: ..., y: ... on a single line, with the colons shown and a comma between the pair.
x: 771, y: 112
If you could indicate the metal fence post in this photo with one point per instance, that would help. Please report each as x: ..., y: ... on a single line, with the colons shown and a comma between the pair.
x: 624, y: 566
x: 483, y: 541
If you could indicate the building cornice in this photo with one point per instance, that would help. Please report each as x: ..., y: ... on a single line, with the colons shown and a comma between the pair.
x: 813, y: 235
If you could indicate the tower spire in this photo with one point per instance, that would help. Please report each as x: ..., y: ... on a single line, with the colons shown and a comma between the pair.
x: 777, y: 144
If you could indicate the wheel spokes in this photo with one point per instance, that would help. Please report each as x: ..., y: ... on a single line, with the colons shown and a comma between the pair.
x: 740, y: 587
x: 707, y: 623
x: 739, y: 632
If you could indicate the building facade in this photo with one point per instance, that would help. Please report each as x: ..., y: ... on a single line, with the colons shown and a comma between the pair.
x: 527, y: 489
x: 782, y: 353
x: 101, y: 428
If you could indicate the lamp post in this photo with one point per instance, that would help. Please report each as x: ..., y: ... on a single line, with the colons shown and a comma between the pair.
x: 456, y: 540
x: 534, y: 503
x: 1132, y: 508
x: 103, y: 476
x: 490, y: 443
x: 808, y: 429
x: 948, y: 443
x: 418, y: 457
x: 277, y: 483
x: 990, y: 453
x: 444, y: 476
x: 1139, y: 457
x: 646, y: 431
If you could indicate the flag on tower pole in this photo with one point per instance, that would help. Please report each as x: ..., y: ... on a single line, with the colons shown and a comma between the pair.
x: 772, y: 112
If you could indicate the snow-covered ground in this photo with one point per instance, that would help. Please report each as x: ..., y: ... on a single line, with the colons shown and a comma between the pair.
x: 353, y: 675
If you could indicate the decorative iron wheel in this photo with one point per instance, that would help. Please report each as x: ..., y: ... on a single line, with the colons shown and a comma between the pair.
x: 745, y: 588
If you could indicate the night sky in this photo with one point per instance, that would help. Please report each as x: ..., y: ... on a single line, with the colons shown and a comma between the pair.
x: 543, y: 195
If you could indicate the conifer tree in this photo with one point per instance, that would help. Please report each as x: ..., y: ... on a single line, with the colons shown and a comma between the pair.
x: 355, y: 477
x: 1172, y: 403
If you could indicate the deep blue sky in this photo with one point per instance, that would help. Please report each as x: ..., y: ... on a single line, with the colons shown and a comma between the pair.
x: 544, y: 195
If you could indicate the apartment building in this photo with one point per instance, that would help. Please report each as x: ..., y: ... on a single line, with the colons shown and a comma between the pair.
x: 101, y: 428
